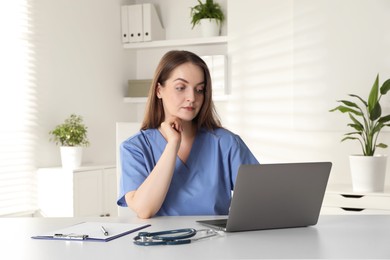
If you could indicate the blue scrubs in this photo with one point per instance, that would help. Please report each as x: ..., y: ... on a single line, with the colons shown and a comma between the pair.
x: 202, y: 185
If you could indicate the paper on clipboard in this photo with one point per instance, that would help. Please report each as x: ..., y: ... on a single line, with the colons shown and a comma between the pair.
x: 92, y: 231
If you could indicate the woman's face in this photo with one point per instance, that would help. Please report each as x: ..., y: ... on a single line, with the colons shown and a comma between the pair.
x: 183, y: 92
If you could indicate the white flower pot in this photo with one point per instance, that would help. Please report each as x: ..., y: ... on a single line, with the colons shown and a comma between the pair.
x: 209, y: 27
x: 71, y: 156
x: 368, y: 172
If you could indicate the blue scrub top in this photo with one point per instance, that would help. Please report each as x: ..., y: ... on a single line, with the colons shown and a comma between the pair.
x: 202, y: 185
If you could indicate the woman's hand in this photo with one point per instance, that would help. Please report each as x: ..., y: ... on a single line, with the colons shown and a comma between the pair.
x: 148, y: 198
x: 171, y: 129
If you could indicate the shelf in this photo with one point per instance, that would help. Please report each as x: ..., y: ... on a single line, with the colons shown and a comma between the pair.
x: 177, y: 42
x: 140, y: 100
x: 135, y: 100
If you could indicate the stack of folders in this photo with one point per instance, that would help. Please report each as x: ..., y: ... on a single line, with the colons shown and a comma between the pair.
x: 92, y: 231
x: 141, y: 23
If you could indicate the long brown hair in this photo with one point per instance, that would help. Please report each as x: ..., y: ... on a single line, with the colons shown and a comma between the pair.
x: 154, y: 114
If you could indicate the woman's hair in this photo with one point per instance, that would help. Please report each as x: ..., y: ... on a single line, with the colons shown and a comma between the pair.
x: 154, y: 114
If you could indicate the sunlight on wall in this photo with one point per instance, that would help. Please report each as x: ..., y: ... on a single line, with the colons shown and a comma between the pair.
x: 262, y: 77
x: 290, y: 61
x: 18, y: 109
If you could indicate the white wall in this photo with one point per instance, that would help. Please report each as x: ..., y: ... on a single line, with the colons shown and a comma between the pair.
x: 81, y: 68
x: 290, y: 62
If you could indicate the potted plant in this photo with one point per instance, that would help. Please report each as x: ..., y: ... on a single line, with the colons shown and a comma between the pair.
x: 71, y: 136
x: 210, y: 17
x: 368, y: 170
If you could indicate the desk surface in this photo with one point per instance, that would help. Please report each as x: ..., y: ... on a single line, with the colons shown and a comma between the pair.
x: 346, y: 236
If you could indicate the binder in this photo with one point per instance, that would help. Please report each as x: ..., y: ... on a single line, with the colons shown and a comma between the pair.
x: 152, y: 27
x: 135, y: 23
x: 92, y: 231
x: 140, y: 22
x: 125, y: 24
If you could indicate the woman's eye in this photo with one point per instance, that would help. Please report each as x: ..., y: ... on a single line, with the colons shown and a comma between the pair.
x: 180, y: 88
x: 200, y: 90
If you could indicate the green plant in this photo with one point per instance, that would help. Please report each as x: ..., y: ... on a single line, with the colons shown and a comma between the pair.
x: 72, y: 132
x: 368, y: 128
x: 206, y: 10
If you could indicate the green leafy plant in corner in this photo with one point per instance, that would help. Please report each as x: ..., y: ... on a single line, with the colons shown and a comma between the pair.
x: 367, y: 120
x: 209, y: 9
x: 72, y: 132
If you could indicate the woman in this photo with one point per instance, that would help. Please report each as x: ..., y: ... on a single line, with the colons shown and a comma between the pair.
x: 182, y: 162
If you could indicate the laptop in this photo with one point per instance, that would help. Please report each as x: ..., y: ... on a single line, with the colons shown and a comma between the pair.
x: 271, y: 196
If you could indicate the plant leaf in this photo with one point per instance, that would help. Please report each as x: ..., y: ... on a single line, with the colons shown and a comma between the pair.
x: 381, y: 145
x: 384, y: 119
x: 349, y: 103
x: 362, y: 100
x: 376, y: 111
x: 353, y: 133
x: 349, y: 138
x: 373, y: 97
x: 344, y: 109
x: 377, y: 128
x: 357, y: 125
x: 385, y: 87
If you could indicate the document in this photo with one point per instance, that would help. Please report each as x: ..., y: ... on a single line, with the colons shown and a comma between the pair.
x: 92, y: 231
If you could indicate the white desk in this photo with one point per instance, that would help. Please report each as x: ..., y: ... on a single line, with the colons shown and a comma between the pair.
x: 347, y: 236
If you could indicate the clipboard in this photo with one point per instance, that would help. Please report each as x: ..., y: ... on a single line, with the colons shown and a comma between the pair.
x: 92, y: 231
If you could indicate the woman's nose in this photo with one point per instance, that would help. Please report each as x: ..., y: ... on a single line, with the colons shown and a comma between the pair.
x: 190, y: 95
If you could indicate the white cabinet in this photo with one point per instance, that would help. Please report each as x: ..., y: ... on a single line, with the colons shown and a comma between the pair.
x: 342, y: 200
x: 83, y: 192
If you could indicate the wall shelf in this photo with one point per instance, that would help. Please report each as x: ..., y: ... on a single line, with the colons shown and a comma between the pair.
x: 177, y: 42
x: 135, y: 100
x: 142, y: 100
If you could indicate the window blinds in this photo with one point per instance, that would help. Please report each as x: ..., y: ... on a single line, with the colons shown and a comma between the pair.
x: 18, y: 109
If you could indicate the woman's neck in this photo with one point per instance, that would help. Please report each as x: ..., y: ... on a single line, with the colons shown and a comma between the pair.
x: 189, y: 129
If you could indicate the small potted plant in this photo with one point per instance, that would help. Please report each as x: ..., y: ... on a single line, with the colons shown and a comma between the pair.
x: 71, y: 136
x: 368, y: 170
x: 210, y: 17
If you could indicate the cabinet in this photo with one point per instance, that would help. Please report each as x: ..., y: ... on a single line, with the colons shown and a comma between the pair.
x: 88, y: 191
x: 342, y: 200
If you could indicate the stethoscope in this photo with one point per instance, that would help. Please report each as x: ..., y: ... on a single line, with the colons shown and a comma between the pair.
x: 171, y: 237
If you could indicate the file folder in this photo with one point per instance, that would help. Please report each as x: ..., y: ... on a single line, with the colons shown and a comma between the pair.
x: 92, y: 231
x: 140, y: 22
x: 125, y: 24
x: 135, y: 23
x: 152, y: 27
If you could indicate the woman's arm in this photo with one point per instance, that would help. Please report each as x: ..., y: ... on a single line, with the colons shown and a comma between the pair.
x: 149, y: 197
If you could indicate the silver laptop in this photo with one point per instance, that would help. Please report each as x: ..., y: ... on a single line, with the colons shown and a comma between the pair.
x: 269, y: 196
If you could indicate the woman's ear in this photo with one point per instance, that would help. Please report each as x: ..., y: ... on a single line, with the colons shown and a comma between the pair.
x: 158, y: 89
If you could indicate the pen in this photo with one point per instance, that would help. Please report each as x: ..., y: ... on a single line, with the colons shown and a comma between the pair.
x: 104, y: 231
x: 70, y: 236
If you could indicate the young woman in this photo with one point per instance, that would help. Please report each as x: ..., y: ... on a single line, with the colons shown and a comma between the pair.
x: 182, y: 162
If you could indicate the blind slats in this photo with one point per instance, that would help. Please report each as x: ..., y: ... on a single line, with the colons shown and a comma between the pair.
x: 18, y: 108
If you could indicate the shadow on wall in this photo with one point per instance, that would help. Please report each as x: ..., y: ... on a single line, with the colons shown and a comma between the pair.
x: 290, y: 66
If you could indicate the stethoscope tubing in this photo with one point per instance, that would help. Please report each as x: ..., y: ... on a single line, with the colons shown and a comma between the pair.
x: 161, y: 238
x: 166, y: 238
